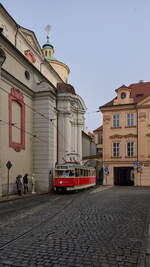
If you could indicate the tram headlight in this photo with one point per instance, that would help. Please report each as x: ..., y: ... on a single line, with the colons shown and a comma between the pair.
x: 60, y: 182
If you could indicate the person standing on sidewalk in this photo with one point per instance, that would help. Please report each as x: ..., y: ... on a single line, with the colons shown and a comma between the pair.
x: 25, y: 183
x: 19, y: 184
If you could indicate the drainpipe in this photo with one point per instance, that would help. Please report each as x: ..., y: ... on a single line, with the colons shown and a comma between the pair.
x: 137, y: 124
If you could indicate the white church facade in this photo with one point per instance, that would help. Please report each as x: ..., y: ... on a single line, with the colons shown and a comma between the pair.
x: 41, y: 116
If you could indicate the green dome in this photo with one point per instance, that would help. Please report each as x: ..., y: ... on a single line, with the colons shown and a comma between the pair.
x: 47, y: 45
x: 50, y: 58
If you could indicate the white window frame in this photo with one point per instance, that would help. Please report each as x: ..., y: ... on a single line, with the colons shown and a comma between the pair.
x: 116, y: 149
x: 130, y: 152
x: 116, y: 120
x: 130, y: 119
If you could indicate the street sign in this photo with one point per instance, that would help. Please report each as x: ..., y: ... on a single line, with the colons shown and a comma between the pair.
x: 106, y: 170
x: 135, y: 165
x: 8, y: 165
x: 139, y: 169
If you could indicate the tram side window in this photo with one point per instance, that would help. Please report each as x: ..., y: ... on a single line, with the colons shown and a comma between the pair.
x: 65, y: 173
x: 81, y: 172
x: 71, y: 173
x: 76, y: 172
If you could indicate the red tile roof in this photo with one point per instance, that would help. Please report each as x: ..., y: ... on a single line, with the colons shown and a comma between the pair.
x: 98, y: 129
x: 142, y: 88
x: 90, y: 134
x: 139, y: 91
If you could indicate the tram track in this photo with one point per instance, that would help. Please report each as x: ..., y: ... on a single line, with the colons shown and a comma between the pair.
x: 49, y: 217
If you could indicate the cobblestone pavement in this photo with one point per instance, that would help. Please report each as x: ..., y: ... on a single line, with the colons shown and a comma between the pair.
x: 91, y: 228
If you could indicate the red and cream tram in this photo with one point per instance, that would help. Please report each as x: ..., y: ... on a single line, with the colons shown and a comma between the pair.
x: 71, y: 176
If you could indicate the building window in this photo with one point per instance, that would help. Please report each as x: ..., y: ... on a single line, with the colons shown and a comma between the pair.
x: 46, y: 53
x: 123, y: 95
x: 130, y: 149
x: 16, y: 116
x: 116, y: 150
x: 100, y: 138
x: 99, y: 150
x: 50, y: 53
x: 116, y: 120
x: 130, y: 119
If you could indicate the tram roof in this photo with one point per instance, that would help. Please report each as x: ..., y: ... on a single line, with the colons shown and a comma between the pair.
x: 65, y: 165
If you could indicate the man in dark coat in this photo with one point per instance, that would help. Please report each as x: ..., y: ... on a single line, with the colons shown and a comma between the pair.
x: 25, y: 183
x: 19, y: 184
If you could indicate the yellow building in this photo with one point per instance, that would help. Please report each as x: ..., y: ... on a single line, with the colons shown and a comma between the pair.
x: 126, y: 136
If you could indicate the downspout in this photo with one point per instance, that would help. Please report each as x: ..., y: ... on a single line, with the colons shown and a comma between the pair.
x: 57, y: 129
x: 137, y: 130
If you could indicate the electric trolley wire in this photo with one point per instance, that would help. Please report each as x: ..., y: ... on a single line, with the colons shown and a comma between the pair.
x: 96, y: 111
x: 27, y: 132
x: 33, y: 109
x: 37, y: 112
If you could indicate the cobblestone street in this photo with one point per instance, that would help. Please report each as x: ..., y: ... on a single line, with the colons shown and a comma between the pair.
x: 95, y: 227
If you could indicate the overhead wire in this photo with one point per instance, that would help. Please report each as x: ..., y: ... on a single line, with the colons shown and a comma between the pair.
x: 37, y: 112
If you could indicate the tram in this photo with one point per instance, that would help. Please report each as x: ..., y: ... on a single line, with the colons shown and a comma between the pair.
x: 71, y: 176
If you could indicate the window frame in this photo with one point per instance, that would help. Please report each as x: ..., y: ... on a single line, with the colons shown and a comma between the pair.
x: 130, y: 119
x: 116, y: 120
x: 131, y: 149
x: 114, y: 149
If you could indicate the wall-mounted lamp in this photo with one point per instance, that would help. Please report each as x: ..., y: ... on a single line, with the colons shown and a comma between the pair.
x: 2, y: 59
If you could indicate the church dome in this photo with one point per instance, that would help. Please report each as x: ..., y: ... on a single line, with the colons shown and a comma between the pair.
x: 65, y: 88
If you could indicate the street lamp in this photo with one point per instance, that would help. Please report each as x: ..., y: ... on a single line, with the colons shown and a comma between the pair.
x: 2, y: 59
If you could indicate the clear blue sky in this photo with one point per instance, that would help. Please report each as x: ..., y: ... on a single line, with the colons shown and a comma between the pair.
x: 105, y: 43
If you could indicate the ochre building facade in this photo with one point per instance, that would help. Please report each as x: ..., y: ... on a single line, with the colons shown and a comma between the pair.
x: 126, y: 136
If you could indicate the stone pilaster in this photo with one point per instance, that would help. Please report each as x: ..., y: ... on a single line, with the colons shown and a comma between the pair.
x: 43, y: 144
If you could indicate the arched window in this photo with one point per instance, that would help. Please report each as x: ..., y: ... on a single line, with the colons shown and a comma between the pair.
x: 46, y: 53
x: 49, y: 53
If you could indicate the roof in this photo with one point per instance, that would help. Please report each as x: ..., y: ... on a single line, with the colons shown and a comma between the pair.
x: 65, y: 88
x: 100, y: 128
x: 138, y: 92
x: 90, y: 134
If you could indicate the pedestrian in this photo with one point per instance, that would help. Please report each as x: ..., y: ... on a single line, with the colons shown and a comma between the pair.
x: 33, y: 183
x: 25, y: 183
x: 19, y: 184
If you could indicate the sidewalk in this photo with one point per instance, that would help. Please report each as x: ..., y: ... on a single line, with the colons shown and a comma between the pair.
x: 16, y: 196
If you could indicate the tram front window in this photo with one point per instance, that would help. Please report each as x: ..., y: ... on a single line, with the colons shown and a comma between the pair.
x: 65, y: 173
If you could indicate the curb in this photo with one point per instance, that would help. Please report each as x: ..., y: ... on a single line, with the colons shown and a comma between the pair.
x: 14, y: 198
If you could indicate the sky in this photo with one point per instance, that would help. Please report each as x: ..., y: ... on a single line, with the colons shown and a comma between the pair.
x: 105, y: 43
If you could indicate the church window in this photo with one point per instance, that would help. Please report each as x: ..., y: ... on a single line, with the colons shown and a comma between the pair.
x: 46, y: 53
x: 16, y: 120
